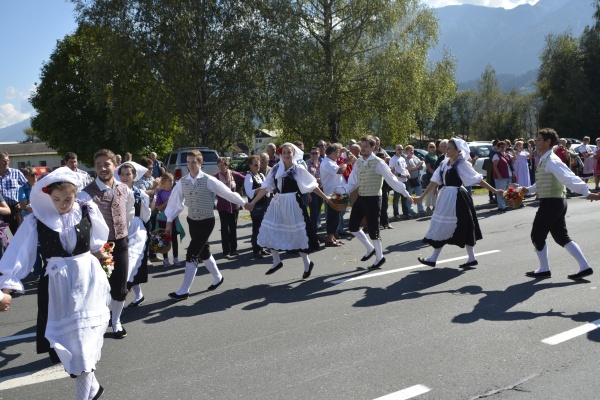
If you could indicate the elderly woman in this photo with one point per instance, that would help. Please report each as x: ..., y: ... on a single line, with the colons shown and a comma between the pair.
x: 228, y: 212
x: 430, y: 161
x: 454, y: 220
x: 252, y: 184
x: 286, y: 225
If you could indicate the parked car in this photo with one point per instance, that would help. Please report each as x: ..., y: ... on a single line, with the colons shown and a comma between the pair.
x: 482, y: 151
x: 242, y: 155
x: 176, y: 161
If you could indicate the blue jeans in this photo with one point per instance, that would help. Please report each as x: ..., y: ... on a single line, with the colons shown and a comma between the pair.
x: 340, y: 228
x: 501, y: 184
x: 399, y: 198
x: 417, y: 190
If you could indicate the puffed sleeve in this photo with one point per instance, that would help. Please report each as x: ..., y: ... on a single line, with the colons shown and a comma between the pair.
x: 269, y: 182
x: 306, y: 182
x: 467, y: 174
x: 20, y: 255
x: 99, y: 232
x: 145, y: 207
x: 248, y: 186
x: 437, y: 175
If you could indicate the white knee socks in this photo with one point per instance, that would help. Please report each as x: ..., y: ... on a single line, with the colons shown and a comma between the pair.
x: 360, y: 235
x: 117, y: 309
x: 188, y: 278
x: 471, y: 253
x: 276, y: 258
x: 378, y: 250
x: 435, y: 255
x: 211, y: 265
x: 306, y: 261
x: 86, y: 386
x: 137, y: 290
x: 576, y: 252
x: 543, y: 257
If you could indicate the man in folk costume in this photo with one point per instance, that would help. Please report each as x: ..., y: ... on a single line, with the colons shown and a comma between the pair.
x: 196, y: 191
x: 368, y: 175
x: 551, y: 177
x: 116, y: 203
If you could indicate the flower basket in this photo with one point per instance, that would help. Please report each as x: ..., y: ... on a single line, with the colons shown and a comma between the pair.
x: 513, y: 197
x: 339, y: 201
x: 160, y: 241
x: 108, y: 264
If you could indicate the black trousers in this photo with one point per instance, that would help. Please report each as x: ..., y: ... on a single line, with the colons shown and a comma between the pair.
x: 229, y: 230
x: 118, y: 278
x: 200, y: 231
x: 550, y: 218
x: 366, y: 206
x: 333, y: 220
x: 256, y: 221
x: 13, y: 219
x: 385, y: 194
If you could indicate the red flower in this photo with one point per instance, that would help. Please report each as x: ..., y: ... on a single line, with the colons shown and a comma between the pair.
x: 46, y: 190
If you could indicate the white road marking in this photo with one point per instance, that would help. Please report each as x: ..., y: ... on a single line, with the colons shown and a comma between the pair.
x: 392, y: 271
x: 407, y: 393
x: 573, y: 333
x: 16, y: 337
x: 29, y: 378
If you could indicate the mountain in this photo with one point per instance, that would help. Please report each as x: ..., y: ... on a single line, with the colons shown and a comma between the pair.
x: 15, y: 132
x: 511, y: 41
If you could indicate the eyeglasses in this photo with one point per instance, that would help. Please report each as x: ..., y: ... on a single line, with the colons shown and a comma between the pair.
x: 314, y: 153
x: 321, y: 145
x: 399, y: 149
x: 432, y: 147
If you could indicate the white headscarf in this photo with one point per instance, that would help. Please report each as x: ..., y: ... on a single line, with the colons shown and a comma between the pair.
x: 298, y: 155
x: 41, y: 203
x: 463, y: 147
x: 139, y: 170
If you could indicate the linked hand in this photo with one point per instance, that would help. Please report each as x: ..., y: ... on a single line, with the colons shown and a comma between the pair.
x: 249, y: 206
x: 594, y: 196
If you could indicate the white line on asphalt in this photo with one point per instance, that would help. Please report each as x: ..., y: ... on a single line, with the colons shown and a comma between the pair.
x: 16, y: 337
x: 371, y: 275
x: 28, y: 378
x: 407, y: 393
x: 573, y: 333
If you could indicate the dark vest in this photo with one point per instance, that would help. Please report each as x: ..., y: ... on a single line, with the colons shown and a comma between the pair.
x: 49, y: 240
x: 114, y: 210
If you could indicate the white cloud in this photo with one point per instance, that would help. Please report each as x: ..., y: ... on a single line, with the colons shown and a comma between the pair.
x: 9, y: 115
x: 486, y: 3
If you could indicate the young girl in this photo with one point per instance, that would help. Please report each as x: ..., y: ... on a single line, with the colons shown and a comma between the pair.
x: 129, y: 172
x: 162, y: 199
x: 73, y: 294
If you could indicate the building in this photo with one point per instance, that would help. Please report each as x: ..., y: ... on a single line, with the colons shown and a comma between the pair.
x: 31, y: 154
x: 262, y: 138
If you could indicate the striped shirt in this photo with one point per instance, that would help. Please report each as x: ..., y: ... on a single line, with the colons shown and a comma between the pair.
x: 10, y: 183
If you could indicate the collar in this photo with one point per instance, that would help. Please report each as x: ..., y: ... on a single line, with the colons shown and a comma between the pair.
x: 546, y: 155
x: 103, y: 186
x: 372, y: 156
x: 193, y: 178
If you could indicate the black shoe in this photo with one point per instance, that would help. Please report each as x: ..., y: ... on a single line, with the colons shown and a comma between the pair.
x: 388, y: 227
x: 274, y: 269
x: 581, y: 275
x: 120, y: 334
x: 227, y: 256
x: 213, y: 287
x: 533, y: 274
x: 98, y: 393
x: 176, y: 296
x: 137, y: 303
x: 258, y: 256
x: 425, y: 262
x: 469, y: 265
x: 306, y: 274
x: 234, y: 253
x: 377, y: 265
x: 265, y: 253
x: 371, y: 254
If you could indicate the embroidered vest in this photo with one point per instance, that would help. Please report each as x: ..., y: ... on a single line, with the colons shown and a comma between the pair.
x: 369, y: 181
x: 49, y: 240
x: 547, y: 185
x: 113, y: 209
x: 198, y: 198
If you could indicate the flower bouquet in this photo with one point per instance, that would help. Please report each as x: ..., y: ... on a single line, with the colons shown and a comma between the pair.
x: 108, y: 264
x: 339, y: 201
x: 160, y: 241
x: 513, y: 196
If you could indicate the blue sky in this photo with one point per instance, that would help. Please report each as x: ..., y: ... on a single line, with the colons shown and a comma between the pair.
x: 30, y: 29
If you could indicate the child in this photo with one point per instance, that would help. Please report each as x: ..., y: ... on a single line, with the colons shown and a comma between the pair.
x: 73, y: 293
x: 129, y: 172
x: 162, y: 199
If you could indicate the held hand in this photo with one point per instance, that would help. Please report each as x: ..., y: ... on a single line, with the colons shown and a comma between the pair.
x: 309, y: 197
x: 249, y: 206
x: 594, y: 197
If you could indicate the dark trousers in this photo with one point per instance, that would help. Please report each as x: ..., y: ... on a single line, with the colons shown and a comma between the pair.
x: 256, y: 221
x: 174, y: 234
x: 366, y: 206
x: 200, y: 231
x: 13, y: 219
x: 333, y: 220
x: 118, y: 278
x: 385, y: 194
x: 229, y: 230
x: 315, y: 211
x: 550, y: 218
x: 153, y: 223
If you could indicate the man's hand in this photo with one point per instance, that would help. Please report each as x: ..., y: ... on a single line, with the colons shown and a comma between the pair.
x: 249, y: 206
x: 594, y: 196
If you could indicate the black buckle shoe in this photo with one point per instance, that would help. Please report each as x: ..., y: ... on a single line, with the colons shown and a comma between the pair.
x: 176, y: 296
x: 469, y: 265
x: 425, y: 262
x: 274, y: 269
x: 377, y: 265
x: 213, y: 287
x: 581, y: 275
x: 306, y: 274
x: 538, y: 275
x: 371, y: 254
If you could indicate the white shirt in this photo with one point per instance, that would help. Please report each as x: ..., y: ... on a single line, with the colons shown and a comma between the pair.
x: 248, y: 183
x: 330, y: 179
x: 399, y: 165
x: 466, y: 172
x: 177, y: 200
x: 382, y: 169
x: 563, y: 173
x: 102, y: 186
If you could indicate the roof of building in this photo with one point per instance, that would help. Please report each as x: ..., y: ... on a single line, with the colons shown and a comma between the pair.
x: 263, y: 133
x: 26, y: 149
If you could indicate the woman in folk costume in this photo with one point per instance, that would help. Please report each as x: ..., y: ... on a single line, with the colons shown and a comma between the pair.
x: 454, y: 220
x: 127, y: 173
x: 286, y: 224
x: 73, y: 294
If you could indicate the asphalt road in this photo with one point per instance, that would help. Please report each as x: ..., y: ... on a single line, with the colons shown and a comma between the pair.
x: 406, y: 331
